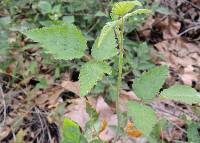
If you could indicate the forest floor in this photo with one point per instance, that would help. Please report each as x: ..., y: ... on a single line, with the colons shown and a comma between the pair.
x: 174, y: 38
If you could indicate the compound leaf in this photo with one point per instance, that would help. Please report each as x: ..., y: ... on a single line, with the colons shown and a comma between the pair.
x: 148, y: 85
x: 144, y: 118
x: 90, y: 73
x: 181, y: 93
x: 106, y: 49
x: 63, y: 42
x: 122, y: 8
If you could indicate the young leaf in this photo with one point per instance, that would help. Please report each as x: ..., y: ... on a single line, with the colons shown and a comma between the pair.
x: 106, y: 49
x: 144, y: 118
x: 149, y: 84
x: 181, y: 93
x: 122, y: 8
x: 71, y: 132
x: 137, y: 12
x: 90, y: 73
x: 105, y: 31
x: 63, y: 42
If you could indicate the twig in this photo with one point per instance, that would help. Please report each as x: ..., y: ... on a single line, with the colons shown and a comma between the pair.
x: 180, y: 34
x: 4, y: 104
x: 189, y: 29
x: 195, y: 6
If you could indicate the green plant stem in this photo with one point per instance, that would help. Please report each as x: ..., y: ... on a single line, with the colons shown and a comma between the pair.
x: 120, y: 66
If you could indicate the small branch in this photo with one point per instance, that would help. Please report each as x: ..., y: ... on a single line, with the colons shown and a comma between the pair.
x: 4, y: 105
x: 195, y: 6
x: 189, y: 29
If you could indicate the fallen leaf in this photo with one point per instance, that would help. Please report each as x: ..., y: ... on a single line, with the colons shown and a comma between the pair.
x: 71, y: 86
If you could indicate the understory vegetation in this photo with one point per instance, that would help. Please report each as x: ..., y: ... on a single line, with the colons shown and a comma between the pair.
x: 99, y: 71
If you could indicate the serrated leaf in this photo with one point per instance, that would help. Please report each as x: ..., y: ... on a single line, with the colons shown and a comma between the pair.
x: 181, y: 93
x: 90, y: 73
x: 148, y: 85
x: 138, y: 12
x: 106, y: 49
x: 63, y: 42
x: 71, y: 132
x: 144, y: 118
x: 122, y: 8
x: 105, y: 31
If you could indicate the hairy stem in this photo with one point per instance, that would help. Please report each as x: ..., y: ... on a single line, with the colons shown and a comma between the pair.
x: 120, y: 66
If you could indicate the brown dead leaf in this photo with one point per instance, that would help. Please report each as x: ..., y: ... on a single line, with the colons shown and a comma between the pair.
x: 71, y: 86
x: 170, y: 28
x: 103, y: 109
x: 145, y: 30
x: 49, y: 97
x: 76, y: 111
x: 173, y: 134
x: 4, y: 132
x: 183, y: 57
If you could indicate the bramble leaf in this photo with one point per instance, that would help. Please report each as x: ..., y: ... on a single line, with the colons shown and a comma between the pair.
x: 144, y: 118
x: 106, y: 49
x: 148, y: 85
x: 105, y: 30
x: 71, y: 132
x: 64, y: 42
x: 90, y: 73
x: 181, y: 93
x: 138, y: 12
x: 122, y: 8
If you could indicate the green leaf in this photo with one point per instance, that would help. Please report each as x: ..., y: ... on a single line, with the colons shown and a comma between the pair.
x: 192, y: 133
x: 105, y: 31
x: 106, y: 49
x: 90, y: 73
x: 68, y: 19
x: 71, y: 132
x: 63, y: 42
x: 20, y: 136
x: 181, y: 93
x: 122, y: 8
x: 45, y: 7
x: 144, y: 118
x: 148, y: 85
x: 138, y: 12
x: 4, y: 45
